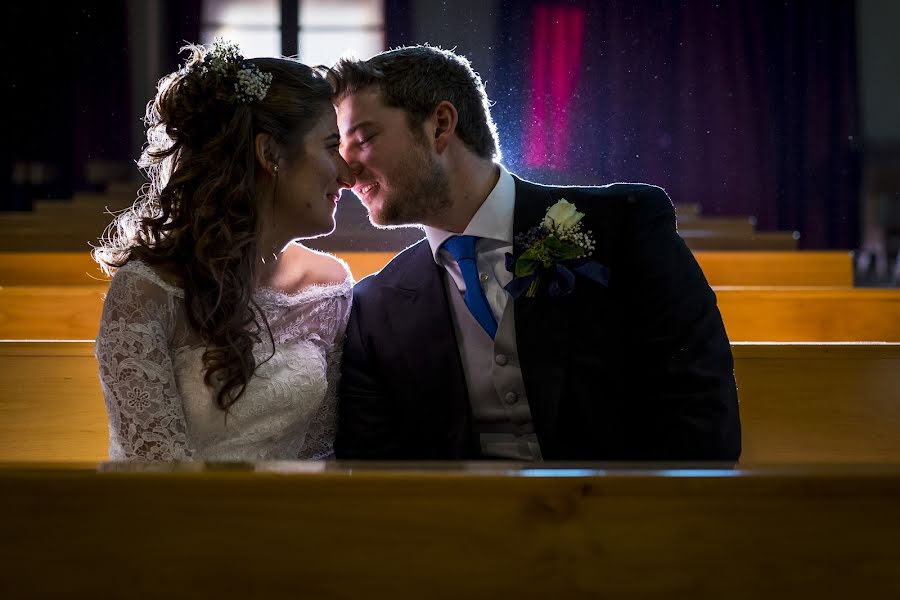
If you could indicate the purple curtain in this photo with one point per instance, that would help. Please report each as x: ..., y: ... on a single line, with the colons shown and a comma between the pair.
x: 748, y: 108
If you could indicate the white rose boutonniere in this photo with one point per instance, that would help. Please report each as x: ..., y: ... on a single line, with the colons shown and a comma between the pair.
x: 555, y: 251
x: 562, y: 216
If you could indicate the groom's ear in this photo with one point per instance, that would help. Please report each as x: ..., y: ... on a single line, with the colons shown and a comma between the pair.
x: 444, y: 120
x: 266, y: 153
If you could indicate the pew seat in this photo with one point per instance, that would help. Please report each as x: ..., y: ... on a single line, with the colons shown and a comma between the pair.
x: 800, y: 403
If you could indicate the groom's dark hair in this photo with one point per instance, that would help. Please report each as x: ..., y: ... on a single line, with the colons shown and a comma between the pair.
x: 417, y: 79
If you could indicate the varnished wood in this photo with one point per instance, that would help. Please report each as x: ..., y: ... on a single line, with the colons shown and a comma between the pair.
x: 49, y: 269
x: 79, y: 235
x: 723, y: 225
x: 774, y: 268
x: 78, y: 268
x: 819, y: 402
x: 761, y: 240
x: 801, y: 268
x: 760, y: 314
x: 51, y: 312
x: 799, y: 402
x: 399, y: 533
x: 51, y: 407
x: 72, y: 225
x: 749, y: 313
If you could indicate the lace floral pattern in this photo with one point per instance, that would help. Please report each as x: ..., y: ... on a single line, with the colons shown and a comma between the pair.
x: 151, y: 374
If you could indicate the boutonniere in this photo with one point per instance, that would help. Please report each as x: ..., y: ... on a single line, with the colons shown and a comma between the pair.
x: 555, y: 251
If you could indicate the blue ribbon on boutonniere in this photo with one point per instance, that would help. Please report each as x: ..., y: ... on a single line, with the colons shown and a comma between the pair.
x: 561, y: 276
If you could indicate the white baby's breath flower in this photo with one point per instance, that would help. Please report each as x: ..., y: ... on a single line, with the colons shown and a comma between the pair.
x: 562, y: 216
x: 224, y: 60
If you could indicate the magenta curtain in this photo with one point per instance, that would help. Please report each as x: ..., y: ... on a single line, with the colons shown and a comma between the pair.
x: 556, y: 50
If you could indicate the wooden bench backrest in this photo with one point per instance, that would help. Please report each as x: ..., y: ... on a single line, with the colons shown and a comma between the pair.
x: 356, y: 533
x: 801, y: 268
x: 799, y: 402
x: 750, y: 314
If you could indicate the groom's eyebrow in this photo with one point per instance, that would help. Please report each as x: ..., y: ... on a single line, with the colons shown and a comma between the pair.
x: 353, y: 129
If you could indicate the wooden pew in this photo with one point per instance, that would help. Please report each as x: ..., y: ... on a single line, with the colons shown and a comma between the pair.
x: 51, y: 312
x: 78, y: 268
x: 77, y: 232
x: 800, y: 403
x: 769, y: 314
x: 722, y: 225
x: 751, y: 314
x: 760, y: 240
x: 831, y: 268
x: 391, y: 531
x: 760, y: 268
x: 49, y: 269
x: 51, y: 407
x: 831, y: 403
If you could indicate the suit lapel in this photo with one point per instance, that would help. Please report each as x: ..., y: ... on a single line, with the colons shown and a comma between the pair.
x: 422, y: 324
x: 542, y: 325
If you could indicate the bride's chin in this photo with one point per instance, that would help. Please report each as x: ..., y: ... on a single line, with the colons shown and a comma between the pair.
x: 322, y: 232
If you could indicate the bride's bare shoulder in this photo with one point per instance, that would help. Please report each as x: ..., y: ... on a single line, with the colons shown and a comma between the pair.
x: 315, y: 267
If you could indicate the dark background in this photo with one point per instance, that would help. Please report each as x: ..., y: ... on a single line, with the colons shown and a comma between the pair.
x: 754, y: 108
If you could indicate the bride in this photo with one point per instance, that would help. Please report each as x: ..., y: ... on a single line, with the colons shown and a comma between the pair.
x: 220, y: 336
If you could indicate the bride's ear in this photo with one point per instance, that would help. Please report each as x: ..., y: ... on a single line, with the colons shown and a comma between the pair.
x: 266, y: 153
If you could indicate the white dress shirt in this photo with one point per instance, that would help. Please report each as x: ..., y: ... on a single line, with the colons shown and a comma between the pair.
x: 500, y: 409
x: 493, y: 225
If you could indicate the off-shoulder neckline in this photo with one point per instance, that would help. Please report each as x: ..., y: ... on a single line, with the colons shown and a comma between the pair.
x: 311, y: 291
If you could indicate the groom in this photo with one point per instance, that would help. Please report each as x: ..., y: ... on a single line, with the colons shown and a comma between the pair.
x: 596, y: 337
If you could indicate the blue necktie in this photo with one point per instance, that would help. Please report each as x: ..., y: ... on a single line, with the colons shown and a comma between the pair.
x: 462, y: 247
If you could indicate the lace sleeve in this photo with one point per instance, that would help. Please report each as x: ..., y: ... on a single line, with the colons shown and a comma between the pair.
x: 319, y: 443
x: 146, y: 417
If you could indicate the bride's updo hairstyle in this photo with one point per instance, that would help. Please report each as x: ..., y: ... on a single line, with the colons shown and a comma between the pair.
x: 199, y: 217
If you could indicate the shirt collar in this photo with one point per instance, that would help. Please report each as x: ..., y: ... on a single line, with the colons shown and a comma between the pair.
x: 493, y: 220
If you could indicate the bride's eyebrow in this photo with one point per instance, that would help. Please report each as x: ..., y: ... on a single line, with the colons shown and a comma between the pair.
x: 335, y: 138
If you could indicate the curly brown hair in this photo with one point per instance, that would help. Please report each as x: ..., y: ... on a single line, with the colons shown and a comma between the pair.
x: 199, y: 216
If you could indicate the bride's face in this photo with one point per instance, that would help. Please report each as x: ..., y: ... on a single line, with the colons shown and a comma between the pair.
x: 309, y: 185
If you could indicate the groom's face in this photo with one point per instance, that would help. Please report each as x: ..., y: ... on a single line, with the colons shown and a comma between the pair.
x: 397, y: 177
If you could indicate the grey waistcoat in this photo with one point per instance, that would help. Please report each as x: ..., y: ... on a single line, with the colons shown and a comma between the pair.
x: 494, y: 380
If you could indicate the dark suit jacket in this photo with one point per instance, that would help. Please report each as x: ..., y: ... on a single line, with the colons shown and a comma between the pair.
x: 640, y: 369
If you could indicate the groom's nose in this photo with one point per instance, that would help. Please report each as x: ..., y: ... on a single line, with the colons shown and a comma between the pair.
x: 355, y: 168
x: 350, y: 159
x: 346, y: 177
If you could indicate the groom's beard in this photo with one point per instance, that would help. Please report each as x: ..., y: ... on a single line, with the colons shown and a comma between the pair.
x: 420, y: 191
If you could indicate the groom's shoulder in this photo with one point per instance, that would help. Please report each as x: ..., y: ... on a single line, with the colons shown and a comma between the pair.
x: 618, y: 194
x: 397, y: 269
x: 600, y: 196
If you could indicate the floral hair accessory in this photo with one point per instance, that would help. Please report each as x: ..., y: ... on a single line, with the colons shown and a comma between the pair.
x: 224, y: 60
x: 555, y: 250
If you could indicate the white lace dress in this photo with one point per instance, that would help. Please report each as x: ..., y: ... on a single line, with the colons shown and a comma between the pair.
x: 152, y: 377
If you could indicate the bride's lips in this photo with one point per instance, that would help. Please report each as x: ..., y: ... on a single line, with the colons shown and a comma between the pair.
x: 334, y: 197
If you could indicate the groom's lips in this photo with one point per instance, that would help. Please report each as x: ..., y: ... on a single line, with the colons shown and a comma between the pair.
x: 366, y: 191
